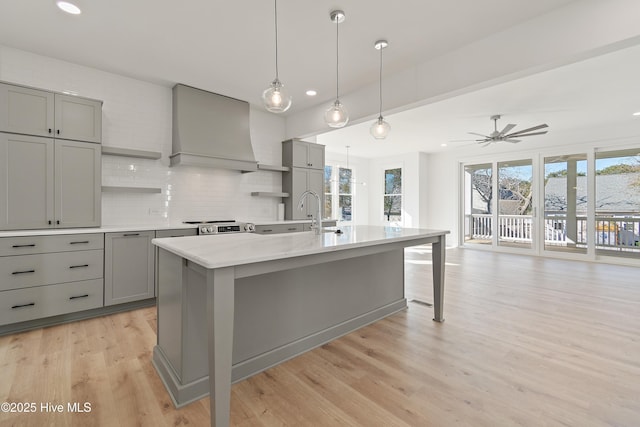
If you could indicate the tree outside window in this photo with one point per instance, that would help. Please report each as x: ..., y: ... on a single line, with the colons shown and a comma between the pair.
x: 328, y: 193
x: 393, y: 195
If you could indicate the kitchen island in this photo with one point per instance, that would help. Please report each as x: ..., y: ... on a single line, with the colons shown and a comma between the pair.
x: 230, y: 306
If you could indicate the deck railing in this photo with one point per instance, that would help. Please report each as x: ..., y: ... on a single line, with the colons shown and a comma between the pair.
x: 616, y: 231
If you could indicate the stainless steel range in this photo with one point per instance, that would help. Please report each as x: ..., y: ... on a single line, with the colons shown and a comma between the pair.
x: 223, y: 227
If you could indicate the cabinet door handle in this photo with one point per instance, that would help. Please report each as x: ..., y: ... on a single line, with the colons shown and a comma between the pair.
x: 50, y: 130
x: 58, y: 131
x: 31, y: 304
x: 31, y: 245
x: 84, y: 242
x: 58, y: 222
x: 131, y: 234
x: 79, y: 266
x: 79, y: 296
x: 49, y: 222
x: 24, y: 272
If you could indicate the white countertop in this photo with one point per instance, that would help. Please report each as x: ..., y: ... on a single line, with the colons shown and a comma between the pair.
x: 216, y: 251
x: 103, y: 229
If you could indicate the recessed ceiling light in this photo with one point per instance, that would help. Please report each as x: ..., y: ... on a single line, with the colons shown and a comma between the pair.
x: 311, y: 92
x: 444, y: 144
x: 637, y: 113
x: 68, y: 7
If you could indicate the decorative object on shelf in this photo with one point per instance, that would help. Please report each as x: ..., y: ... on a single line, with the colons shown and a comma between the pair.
x: 276, y: 98
x: 337, y: 116
x: 380, y: 128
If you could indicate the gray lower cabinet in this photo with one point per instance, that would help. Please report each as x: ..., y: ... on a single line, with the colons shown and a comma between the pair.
x: 43, y: 276
x: 47, y: 183
x: 129, y: 266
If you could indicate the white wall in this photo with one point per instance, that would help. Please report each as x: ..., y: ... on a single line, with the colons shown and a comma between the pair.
x: 137, y: 114
x: 414, y: 188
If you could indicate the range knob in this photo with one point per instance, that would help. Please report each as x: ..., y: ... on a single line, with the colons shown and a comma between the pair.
x: 249, y: 227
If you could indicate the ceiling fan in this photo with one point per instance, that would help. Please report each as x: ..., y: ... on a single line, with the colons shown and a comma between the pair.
x: 504, y: 135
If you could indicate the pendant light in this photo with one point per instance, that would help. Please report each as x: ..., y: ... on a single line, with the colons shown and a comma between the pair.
x: 336, y: 116
x: 380, y: 128
x: 276, y: 98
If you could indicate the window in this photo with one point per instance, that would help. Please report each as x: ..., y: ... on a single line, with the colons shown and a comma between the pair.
x: 392, y: 205
x: 328, y: 192
x: 338, y: 189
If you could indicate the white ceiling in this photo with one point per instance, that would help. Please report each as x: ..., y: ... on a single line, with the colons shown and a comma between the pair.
x: 590, y: 100
x: 227, y: 47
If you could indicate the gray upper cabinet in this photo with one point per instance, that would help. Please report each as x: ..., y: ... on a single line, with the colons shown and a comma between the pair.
x: 78, y: 181
x: 306, y: 162
x: 26, y: 182
x: 46, y: 183
x: 26, y: 110
x: 129, y: 266
x: 38, y: 112
x: 50, y: 169
x: 78, y: 118
x: 301, y: 154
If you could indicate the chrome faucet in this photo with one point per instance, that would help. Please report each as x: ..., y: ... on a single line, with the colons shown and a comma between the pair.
x: 315, y: 223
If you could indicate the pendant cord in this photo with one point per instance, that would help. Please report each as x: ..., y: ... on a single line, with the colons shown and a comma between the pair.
x: 276, y: 20
x: 380, y: 116
x: 337, y: 57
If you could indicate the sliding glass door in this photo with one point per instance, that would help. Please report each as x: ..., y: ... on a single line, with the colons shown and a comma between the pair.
x: 515, y: 204
x: 565, y: 203
x: 587, y: 204
x: 617, y: 203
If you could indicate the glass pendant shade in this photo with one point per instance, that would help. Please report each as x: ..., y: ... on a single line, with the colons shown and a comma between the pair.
x: 336, y: 116
x: 276, y: 98
x: 380, y: 128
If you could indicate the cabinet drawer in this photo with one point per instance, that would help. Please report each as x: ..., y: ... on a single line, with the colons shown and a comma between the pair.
x: 178, y: 232
x: 44, y: 244
x: 20, y: 305
x: 279, y: 228
x: 44, y: 269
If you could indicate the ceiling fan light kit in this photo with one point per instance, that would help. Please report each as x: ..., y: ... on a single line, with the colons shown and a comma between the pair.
x: 337, y: 116
x: 504, y: 135
x: 380, y: 128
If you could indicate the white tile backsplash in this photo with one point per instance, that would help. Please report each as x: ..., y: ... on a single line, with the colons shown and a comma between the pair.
x: 137, y: 114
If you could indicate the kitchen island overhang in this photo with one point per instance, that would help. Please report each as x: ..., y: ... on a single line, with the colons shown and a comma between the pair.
x: 230, y: 306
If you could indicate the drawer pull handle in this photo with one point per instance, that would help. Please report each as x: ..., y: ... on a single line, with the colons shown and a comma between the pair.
x: 24, y: 272
x: 79, y: 296
x: 32, y: 245
x: 79, y: 266
x: 31, y: 304
x: 84, y: 242
x: 292, y: 228
x: 267, y: 230
x: 131, y: 234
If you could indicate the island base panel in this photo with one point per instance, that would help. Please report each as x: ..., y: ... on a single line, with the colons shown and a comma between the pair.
x: 276, y: 315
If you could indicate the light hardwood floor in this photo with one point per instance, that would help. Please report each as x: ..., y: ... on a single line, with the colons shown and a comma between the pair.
x: 526, y: 342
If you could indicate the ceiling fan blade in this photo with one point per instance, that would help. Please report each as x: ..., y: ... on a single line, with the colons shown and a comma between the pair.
x: 506, y: 129
x: 513, y: 141
x: 526, y: 134
x: 528, y: 130
x: 478, y: 134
